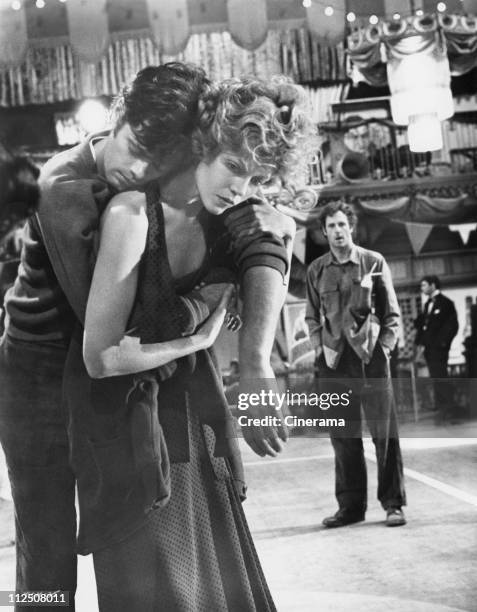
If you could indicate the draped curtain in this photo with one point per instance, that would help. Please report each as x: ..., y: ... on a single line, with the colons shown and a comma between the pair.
x: 370, y: 46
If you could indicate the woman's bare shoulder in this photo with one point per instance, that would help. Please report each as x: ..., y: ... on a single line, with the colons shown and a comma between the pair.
x: 128, y: 202
x: 125, y: 211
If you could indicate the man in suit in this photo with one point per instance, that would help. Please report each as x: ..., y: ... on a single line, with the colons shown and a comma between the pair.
x: 437, y: 326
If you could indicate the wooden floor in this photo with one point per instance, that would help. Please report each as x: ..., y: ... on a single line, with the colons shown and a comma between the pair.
x: 429, y: 565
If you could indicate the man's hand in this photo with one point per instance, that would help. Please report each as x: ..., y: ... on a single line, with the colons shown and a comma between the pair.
x: 208, y: 331
x: 255, y: 218
x: 266, y: 439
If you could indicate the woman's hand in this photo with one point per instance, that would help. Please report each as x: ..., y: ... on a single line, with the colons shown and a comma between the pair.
x: 209, y: 331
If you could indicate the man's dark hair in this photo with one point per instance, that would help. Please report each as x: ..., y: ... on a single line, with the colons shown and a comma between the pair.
x: 19, y: 191
x: 432, y: 279
x: 161, y: 106
x: 332, y: 208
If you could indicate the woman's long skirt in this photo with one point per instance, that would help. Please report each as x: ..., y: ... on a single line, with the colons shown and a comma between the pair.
x: 196, y: 554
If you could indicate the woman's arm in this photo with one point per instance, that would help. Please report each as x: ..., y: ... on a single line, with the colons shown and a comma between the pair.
x: 107, y: 350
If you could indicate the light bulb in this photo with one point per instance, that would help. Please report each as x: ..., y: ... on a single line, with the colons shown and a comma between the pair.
x: 373, y: 20
x: 16, y: 5
x: 40, y: 3
x: 329, y: 11
x: 351, y: 17
x: 306, y: 3
x: 425, y: 133
x: 441, y: 7
x: 92, y: 116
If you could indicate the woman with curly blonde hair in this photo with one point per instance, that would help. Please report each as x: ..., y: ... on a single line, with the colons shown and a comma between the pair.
x: 154, y: 449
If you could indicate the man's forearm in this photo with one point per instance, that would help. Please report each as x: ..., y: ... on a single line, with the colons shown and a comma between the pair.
x: 263, y: 295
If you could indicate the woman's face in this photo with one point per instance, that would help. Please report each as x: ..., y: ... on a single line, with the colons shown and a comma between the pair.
x: 227, y: 180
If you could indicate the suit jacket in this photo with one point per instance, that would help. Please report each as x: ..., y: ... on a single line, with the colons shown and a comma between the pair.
x: 437, y: 329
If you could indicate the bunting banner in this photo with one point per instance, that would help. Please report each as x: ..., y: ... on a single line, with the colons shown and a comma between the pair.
x: 13, y: 35
x: 327, y: 28
x: 464, y: 230
x: 248, y: 22
x: 418, y: 234
x: 88, y: 28
x: 169, y: 21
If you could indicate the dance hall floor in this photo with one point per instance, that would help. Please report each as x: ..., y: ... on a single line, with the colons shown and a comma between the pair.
x: 429, y: 565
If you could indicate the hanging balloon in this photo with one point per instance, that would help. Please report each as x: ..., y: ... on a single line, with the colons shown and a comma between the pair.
x: 327, y: 23
x: 13, y: 35
x: 88, y: 28
x: 169, y: 21
x: 248, y: 22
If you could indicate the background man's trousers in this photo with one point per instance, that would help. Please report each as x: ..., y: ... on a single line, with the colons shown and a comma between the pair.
x: 368, y: 386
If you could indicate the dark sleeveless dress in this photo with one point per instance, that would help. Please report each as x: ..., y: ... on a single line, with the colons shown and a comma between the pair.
x: 194, y: 553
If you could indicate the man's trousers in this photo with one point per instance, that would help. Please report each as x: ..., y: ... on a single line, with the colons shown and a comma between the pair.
x: 370, y: 387
x: 33, y: 434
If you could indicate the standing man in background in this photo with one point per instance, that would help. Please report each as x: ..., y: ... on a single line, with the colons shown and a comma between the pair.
x: 436, y: 327
x: 353, y: 318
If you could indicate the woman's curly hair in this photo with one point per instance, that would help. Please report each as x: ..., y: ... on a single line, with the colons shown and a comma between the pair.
x: 267, y: 121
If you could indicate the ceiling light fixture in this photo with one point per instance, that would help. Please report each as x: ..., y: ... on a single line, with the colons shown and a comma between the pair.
x: 92, y: 116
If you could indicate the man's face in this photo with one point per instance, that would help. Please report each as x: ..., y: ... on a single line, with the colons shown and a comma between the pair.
x: 338, y: 230
x: 427, y: 288
x: 126, y: 164
x: 357, y: 139
x: 227, y: 180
